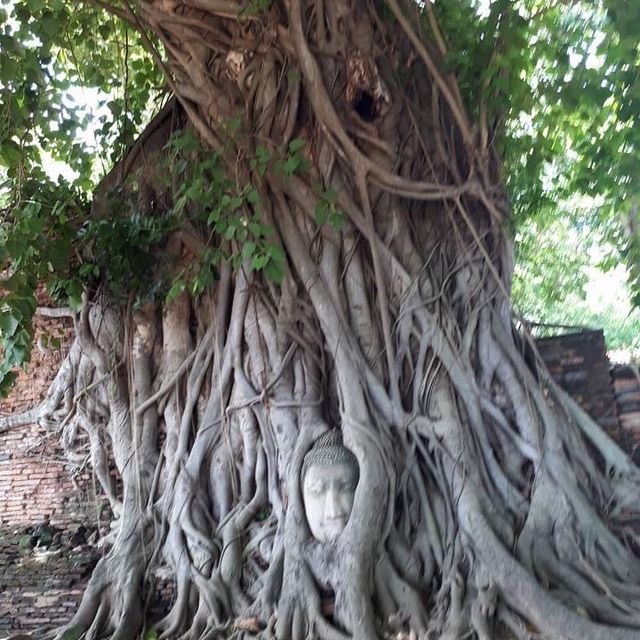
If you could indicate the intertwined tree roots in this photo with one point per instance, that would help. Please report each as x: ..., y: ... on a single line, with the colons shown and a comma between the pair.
x: 480, y: 510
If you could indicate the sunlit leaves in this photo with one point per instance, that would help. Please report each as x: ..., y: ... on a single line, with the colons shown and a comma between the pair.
x: 76, y: 87
x: 75, y: 83
x: 554, y: 269
x: 567, y: 282
x: 559, y: 87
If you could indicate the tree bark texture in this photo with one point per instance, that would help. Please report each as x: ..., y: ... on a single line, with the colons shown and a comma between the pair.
x: 481, y: 511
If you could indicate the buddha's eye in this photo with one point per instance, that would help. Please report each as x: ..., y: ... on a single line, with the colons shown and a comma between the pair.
x: 316, y: 489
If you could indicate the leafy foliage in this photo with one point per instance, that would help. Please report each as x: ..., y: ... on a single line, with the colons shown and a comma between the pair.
x: 51, y: 71
x: 560, y: 86
x: 49, y: 62
x: 555, y: 270
x: 571, y: 283
x: 227, y: 215
x: 122, y: 250
x: 327, y: 211
x: 37, y: 235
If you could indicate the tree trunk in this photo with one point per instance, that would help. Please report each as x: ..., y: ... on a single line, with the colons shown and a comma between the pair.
x: 480, y: 511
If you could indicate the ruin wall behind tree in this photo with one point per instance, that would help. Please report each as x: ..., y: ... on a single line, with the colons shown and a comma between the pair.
x: 42, y: 579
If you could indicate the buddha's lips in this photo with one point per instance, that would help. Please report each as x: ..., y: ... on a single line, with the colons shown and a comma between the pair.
x: 341, y: 520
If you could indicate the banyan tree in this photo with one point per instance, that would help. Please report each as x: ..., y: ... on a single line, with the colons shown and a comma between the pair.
x: 328, y: 218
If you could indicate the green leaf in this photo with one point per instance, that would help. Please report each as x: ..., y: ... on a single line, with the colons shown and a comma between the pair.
x: 296, y: 145
x: 10, y: 153
x: 321, y: 213
x: 6, y: 382
x: 8, y: 324
x: 73, y: 291
x: 73, y: 633
x: 330, y: 195
x: 248, y: 249
x: 275, y: 271
x: 259, y: 262
x: 176, y: 289
x: 337, y: 220
x: 290, y: 165
x: 252, y: 196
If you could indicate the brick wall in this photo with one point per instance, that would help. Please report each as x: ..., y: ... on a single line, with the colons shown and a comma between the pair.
x: 45, y: 554
x: 626, y: 384
x: 578, y: 362
x: 35, y: 479
x: 41, y: 581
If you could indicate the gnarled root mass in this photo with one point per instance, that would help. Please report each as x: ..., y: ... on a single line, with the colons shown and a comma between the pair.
x: 480, y: 511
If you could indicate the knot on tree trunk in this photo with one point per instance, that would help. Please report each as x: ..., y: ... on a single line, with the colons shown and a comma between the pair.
x: 236, y: 63
x: 365, y: 92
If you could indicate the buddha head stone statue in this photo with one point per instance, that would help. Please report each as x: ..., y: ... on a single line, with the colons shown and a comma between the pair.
x: 329, y: 478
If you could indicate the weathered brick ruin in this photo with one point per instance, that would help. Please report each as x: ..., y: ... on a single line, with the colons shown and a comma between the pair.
x: 50, y: 513
x: 610, y: 394
x: 47, y: 506
x: 578, y: 363
x: 35, y: 480
x: 626, y: 384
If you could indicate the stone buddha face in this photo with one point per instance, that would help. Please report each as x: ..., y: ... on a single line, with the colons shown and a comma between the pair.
x: 329, y: 478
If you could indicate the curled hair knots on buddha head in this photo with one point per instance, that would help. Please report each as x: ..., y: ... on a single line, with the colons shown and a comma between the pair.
x: 328, y: 449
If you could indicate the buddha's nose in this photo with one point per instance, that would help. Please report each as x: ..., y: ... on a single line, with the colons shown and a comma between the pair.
x: 332, y: 506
